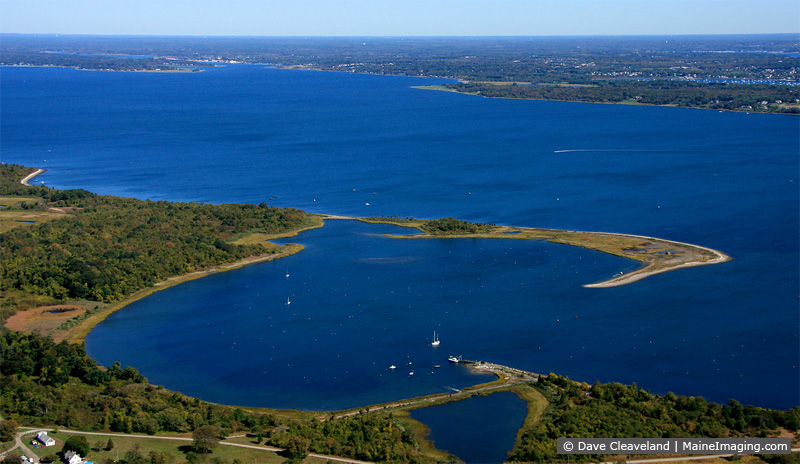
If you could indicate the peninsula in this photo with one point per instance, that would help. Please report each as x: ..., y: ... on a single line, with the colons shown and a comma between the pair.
x: 239, y: 236
x: 656, y: 255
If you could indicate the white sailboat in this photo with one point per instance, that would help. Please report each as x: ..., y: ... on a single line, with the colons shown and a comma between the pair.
x: 288, y: 301
x: 435, y: 339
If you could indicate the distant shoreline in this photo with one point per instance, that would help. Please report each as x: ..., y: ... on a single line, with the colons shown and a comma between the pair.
x: 440, y: 88
x: 177, y: 70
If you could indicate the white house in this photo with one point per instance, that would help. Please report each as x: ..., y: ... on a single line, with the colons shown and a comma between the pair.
x: 71, y: 457
x: 44, y: 439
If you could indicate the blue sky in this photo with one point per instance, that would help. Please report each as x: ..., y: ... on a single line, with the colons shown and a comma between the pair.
x: 400, y: 17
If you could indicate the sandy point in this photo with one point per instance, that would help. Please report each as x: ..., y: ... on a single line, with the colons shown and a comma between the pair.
x: 30, y: 176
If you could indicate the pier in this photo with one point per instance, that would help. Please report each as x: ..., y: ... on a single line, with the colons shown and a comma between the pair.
x: 510, y: 374
x: 507, y: 377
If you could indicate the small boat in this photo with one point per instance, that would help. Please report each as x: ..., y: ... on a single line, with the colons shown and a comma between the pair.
x: 287, y: 273
x: 392, y: 367
x: 435, y: 339
x: 288, y: 301
x: 454, y: 359
x: 436, y: 366
x: 411, y: 373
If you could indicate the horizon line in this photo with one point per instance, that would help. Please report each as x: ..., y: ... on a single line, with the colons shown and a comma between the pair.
x: 301, y: 36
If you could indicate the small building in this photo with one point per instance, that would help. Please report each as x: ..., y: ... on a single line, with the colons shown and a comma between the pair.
x: 71, y: 457
x: 44, y: 439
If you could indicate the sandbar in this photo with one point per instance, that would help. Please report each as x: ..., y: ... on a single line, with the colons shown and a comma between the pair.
x: 30, y: 176
x: 656, y: 255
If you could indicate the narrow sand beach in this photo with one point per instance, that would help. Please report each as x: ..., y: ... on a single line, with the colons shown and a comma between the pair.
x: 30, y: 176
x: 649, y: 267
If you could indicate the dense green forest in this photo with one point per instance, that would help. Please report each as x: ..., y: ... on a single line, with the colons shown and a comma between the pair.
x: 750, y: 97
x: 49, y: 384
x: 453, y: 226
x: 616, y: 410
x: 109, y: 247
x: 658, y: 67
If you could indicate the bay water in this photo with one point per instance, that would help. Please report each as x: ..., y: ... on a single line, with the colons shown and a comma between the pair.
x: 366, y: 145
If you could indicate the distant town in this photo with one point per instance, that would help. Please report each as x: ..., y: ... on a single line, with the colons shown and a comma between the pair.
x: 754, y: 73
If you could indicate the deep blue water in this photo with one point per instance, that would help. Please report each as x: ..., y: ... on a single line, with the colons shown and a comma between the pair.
x: 460, y: 428
x: 332, y: 143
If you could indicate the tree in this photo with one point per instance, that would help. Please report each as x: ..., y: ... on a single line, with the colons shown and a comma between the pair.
x: 8, y: 429
x: 78, y: 444
x: 134, y: 456
x: 205, y: 439
x: 297, y: 448
x: 109, y: 445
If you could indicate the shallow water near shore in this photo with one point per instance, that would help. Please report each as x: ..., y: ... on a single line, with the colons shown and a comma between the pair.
x: 460, y: 428
x: 371, y: 145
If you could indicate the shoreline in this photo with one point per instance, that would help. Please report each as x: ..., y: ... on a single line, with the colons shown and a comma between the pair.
x: 653, y: 105
x: 650, y: 265
x: 590, y: 240
x: 30, y: 176
x: 645, y: 271
x: 78, y: 333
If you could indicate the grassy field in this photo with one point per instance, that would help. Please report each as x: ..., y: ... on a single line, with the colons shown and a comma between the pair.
x: 12, y: 214
x: 264, y: 239
x: 174, y: 451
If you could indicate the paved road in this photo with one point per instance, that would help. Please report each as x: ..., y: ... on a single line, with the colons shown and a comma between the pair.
x: 19, y: 443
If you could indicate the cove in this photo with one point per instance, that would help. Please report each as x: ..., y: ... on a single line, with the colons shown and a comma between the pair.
x: 478, y: 430
x: 359, y: 303
x: 362, y: 145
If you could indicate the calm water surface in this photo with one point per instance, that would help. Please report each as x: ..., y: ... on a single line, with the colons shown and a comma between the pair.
x: 371, y: 145
x: 460, y: 428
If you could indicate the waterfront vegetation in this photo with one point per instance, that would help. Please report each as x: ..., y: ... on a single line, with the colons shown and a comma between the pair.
x: 104, y: 248
x: 615, y: 410
x: 631, y: 70
x: 688, y: 94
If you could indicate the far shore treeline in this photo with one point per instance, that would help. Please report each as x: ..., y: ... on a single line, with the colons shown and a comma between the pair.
x: 102, y: 248
x: 754, y: 73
